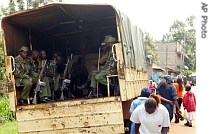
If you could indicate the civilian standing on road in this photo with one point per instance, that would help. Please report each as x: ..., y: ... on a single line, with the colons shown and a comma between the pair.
x: 151, y: 117
x: 189, y: 103
x: 145, y: 93
x: 180, y: 90
x: 168, y: 95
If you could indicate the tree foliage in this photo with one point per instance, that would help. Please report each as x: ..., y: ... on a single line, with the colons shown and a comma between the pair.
x: 185, y: 34
x: 150, y: 48
x: 11, y: 7
x: 20, y: 5
x: 5, y: 113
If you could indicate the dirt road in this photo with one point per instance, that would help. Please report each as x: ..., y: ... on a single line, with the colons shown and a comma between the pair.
x: 180, y: 128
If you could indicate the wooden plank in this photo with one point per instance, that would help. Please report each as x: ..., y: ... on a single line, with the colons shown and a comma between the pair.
x: 69, y: 111
x: 69, y: 103
x: 108, y: 129
x: 12, y: 99
x: 81, y: 121
x: 120, y: 61
x: 93, y: 116
x: 10, y: 83
x: 121, y: 71
x: 122, y: 89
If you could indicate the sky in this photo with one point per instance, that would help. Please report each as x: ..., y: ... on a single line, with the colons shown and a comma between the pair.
x: 156, y: 16
x: 153, y: 16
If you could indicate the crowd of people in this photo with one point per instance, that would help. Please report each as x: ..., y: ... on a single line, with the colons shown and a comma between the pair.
x: 33, y: 71
x: 153, y: 111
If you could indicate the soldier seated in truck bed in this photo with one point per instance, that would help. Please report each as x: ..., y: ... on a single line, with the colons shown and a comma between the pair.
x: 23, y: 75
x: 108, y: 67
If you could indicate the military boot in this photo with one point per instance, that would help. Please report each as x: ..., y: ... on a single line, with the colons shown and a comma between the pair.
x: 57, y: 95
x: 85, y: 85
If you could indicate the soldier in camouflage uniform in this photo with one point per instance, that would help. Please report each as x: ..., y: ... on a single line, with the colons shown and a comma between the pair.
x: 60, y: 66
x: 22, y: 74
x: 33, y: 61
x: 109, y: 67
x: 47, y: 77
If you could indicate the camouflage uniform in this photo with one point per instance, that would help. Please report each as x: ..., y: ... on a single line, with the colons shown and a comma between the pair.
x: 108, y: 68
x: 47, y: 78
x: 55, y: 78
x: 34, y: 70
x: 22, y: 76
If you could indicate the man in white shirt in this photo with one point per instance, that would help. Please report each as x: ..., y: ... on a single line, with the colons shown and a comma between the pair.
x: 145, y: 93
x: 151, y: 118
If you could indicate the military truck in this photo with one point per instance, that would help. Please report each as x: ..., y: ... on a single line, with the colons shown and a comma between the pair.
x: 80, y: 29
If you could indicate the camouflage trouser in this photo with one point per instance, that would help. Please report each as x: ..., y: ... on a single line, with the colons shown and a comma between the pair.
x: 27, y: 88
x: 99, y: 77
x: 46, y: 90
x: 57, y: 84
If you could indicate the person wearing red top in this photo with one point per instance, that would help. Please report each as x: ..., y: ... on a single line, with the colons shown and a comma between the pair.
x: 152, y: 85
x: 189, y: 103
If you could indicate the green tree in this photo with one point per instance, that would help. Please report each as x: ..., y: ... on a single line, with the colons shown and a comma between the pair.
x: 150, y: 48
x: 11, y: 7
x: 185, y: 34
x: 37, y: 3
x: 21, y: 5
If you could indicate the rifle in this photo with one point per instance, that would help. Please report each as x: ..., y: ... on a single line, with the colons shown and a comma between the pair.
x: 39, y: 84
x: 70, y: 66
x: 54, y: 72
x: 65, y: 81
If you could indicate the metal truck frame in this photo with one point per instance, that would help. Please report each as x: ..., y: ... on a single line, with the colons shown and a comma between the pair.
x: 79, y: 28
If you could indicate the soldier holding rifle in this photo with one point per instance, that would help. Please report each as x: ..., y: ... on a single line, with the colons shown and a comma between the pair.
x: 64, y: 82
x: 53, y: 66
x: 60, y: 66
x: 45, y: 95
x: 33, y: 61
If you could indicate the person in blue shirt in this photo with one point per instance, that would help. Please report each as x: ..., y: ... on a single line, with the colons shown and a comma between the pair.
x: 168, y: 95
x: 145, y: 93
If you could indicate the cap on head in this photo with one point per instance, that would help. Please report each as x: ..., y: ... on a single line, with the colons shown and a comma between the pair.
x: 145, y: 92
x: 167, y: 78
x: 24, y: 48
x: 109, y: 39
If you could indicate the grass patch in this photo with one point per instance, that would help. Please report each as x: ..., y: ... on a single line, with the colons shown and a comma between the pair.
x: 9, y: 128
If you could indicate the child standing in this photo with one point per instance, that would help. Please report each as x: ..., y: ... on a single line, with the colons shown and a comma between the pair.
x: 189, y: 103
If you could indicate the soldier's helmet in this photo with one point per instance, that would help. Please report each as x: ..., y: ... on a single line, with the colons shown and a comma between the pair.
x: 24, y: 48
x: 108, y: 39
